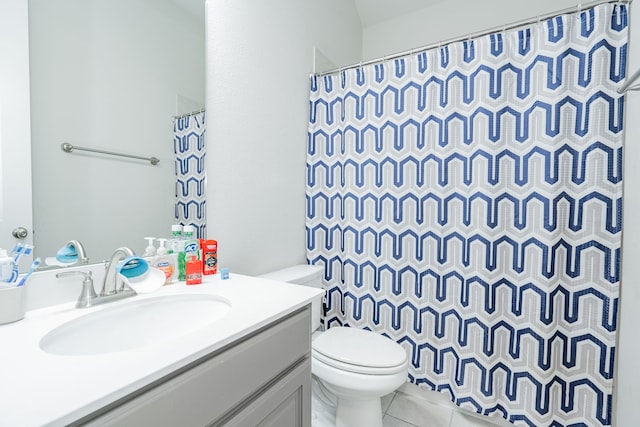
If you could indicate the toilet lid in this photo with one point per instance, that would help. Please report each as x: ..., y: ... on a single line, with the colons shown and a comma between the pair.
x: 359, y: 347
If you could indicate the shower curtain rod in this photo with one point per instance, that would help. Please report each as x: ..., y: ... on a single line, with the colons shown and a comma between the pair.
x: 579, y: 7
x: 202, y: 110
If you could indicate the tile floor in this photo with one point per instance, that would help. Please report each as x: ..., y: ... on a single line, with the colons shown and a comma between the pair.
x: 411, y: 406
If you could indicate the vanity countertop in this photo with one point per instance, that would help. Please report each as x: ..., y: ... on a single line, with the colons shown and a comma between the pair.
x: 39, y: 388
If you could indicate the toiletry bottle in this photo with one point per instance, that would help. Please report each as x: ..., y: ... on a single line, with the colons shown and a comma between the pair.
x: 175, y: 243
x: 209, y: 256
x: 162, y: 247
x: 193, y: 269
x: 190, y: 246
x: 182, y: 266
x: 150, y: 250
x: 165, y: 262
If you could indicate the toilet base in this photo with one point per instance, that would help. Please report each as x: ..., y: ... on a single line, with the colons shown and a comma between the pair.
x: 356, y: 413
x: 323, y: 406
x: 329, y: 411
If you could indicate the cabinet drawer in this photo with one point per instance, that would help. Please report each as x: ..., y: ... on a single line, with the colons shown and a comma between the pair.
x: 205, y: 391
x: 286, y: 403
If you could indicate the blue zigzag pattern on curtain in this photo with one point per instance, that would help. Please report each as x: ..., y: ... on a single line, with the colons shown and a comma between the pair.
x: 466, y: 201
x: 190, y: 150
x: 439, y: 206
x: 491, y: 162
x: 548, y: 253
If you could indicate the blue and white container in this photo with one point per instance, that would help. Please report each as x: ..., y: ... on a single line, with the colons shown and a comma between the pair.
x: 6, y: 266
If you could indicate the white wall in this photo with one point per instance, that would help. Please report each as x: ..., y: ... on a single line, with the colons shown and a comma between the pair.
x: 260, y: 55
x: 449, y: 19
x: 105, y: 74
x: 442, y: 22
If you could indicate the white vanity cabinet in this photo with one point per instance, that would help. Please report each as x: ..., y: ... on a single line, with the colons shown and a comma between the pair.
x: 263, y: 379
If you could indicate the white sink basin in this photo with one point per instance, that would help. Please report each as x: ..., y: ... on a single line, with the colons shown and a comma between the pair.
x: 140, y: 322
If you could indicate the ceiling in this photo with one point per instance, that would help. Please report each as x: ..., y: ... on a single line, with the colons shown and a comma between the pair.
x: 371, y: 12
x: 375, y: 11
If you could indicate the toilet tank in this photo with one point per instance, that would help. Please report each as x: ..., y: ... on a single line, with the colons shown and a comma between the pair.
x: 306, y: 275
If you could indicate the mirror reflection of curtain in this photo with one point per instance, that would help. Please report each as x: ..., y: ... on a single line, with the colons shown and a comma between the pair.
x: 190, y: 149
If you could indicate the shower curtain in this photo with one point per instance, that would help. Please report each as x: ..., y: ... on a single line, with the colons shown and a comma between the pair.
x: 465, y: 201
x: 190, y: 149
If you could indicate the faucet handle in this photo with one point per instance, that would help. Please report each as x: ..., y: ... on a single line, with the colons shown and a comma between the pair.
x: 88, y: 293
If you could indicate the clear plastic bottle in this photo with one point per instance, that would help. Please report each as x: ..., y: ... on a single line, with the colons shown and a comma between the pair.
x: 150, y: 250
x: 188, y: 231
x: 162, y: 247
x: 166, y: 262
x: 175, y: 243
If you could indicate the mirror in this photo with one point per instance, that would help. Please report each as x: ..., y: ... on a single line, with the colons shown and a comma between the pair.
x: 109, y: 75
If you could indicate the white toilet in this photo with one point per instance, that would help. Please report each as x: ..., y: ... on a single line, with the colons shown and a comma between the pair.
x: 356, y: 366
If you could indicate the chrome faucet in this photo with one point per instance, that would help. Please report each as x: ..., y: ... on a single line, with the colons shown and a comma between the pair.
x: 83, y: 259
x: 110, y: 284
x: 88, y: 295
x: 110, y: 291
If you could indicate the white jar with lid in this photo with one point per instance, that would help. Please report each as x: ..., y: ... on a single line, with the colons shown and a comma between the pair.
x: 6, y: 266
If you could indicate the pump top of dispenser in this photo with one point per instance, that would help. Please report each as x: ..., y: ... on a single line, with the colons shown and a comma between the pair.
x: 162, y: 249
x: 150, y: 250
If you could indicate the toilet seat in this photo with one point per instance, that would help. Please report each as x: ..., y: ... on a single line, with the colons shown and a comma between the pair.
x: 359, y: 351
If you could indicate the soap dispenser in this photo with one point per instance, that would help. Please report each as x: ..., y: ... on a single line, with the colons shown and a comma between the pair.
x: 150, y: 250
x: 166, y: 262
x: 162, y: 247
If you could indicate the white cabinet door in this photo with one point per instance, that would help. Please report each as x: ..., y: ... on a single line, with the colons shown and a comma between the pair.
x: 15, y: 125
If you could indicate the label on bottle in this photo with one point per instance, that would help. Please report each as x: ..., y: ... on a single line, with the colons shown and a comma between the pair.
x: 167, y: 268
x: 189, y: 248
x: 194, y: 271
x: 209, y: 256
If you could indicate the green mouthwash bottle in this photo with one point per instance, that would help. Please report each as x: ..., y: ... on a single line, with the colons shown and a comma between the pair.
x: 175, y: 242
x: 190, y: 247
